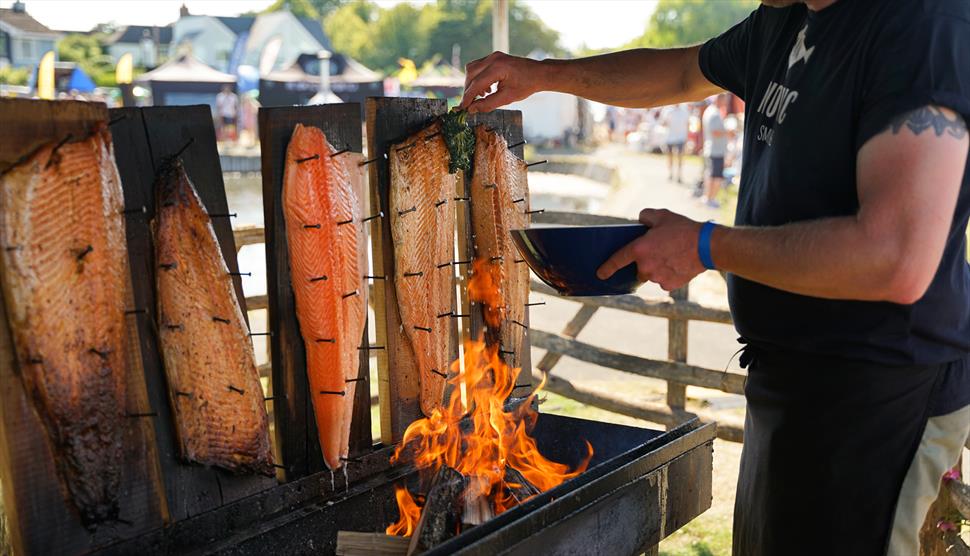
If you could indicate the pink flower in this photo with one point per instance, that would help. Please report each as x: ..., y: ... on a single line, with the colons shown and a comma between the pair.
x: 952, y: 475
x: 946, y: 526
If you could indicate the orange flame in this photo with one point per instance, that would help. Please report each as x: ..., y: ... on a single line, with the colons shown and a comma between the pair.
x: 491, y: 437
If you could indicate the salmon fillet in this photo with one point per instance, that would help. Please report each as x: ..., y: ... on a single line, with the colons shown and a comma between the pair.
x: 213, y: 384
x: 500, y: 199
x: 423, y: 232
x: 322, y: 207
x: 65, y: 282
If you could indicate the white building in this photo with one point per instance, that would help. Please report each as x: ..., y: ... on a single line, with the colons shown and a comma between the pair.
x: 23, y: 39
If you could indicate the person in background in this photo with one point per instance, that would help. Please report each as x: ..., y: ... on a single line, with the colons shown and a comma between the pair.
x: 675, y: 119
x: 227, y: 109
x: 715, y: 147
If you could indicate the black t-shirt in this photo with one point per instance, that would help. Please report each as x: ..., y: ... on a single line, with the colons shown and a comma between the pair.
x: 817, y: 86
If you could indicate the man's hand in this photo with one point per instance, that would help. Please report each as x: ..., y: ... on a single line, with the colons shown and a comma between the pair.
x: 517, y: 79
x: 667, y: 254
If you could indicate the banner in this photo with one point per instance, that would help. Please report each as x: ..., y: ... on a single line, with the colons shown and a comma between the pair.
x: 45, y: 76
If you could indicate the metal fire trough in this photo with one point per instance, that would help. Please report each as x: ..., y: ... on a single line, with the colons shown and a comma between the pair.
x: 640, y: 487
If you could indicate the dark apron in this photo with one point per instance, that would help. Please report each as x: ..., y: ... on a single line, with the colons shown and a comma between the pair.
x: 827, y: 443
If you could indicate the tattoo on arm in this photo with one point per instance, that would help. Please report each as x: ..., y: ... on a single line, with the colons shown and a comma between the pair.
x: 930, y: 117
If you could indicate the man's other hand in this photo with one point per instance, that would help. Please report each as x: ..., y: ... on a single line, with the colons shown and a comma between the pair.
x: 517, y: 79
x: 666, y: 254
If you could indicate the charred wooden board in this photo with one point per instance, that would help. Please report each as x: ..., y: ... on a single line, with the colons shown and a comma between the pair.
x: 296, y: 429
x: 390, y: 120
x: 508, y: 124
x: 39, y: 518
x: 143, y: 139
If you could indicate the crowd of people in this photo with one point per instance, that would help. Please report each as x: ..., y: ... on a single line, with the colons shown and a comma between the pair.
x: 711, y: 129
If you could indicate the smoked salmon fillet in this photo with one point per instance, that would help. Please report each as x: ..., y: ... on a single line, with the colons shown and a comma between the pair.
x: 213, y: 384
x: 423, y: 233
x: 65, y: 282
x: 500, y: 201
x: 322, y: 208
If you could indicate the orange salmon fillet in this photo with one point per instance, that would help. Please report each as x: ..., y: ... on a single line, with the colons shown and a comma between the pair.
x: 322, y: 207
x: 213, y: 384
x: 65, y: 282
x: 500, y: 199
x: 423, y: 232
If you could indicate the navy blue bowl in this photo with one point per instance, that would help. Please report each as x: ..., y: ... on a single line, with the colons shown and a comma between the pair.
x: 566, y: 257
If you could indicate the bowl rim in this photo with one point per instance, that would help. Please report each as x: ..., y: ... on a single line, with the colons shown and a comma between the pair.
x: 579, y: 227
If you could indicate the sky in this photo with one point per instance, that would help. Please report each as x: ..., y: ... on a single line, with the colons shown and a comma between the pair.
x: 595, y: 23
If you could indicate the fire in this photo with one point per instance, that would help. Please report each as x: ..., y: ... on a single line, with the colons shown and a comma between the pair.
x: 492, y: 437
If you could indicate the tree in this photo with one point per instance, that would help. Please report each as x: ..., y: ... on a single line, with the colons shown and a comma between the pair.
x: 312, y: 9
x: 88, y: 52
x: 683, y: 22
x: 379, y: 37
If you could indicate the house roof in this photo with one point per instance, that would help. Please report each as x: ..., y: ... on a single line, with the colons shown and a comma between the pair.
x: 349, y: 71
x: 185, y: 68
x: 237, y: 24
x: 134, y: 34
x: 24, y: 22
x: 314, y: 28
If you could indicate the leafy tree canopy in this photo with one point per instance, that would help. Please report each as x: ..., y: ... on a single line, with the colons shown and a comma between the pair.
x: 88, y: 52
x: 683, y: 22
x: 313, y: 9
x: 378, y: 36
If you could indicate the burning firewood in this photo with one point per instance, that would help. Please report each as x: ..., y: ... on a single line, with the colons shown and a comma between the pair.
x: 518, y: 486
x: 441, y: 515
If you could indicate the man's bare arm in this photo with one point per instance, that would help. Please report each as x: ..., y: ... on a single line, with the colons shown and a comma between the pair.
x: 908, y: 177
x: 638, y: 78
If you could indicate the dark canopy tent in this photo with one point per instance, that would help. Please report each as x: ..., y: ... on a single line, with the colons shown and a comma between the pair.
x: 349, y: 79
x: 185, y: 81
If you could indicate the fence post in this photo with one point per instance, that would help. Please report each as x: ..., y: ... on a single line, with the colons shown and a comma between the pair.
x: 677, y: 351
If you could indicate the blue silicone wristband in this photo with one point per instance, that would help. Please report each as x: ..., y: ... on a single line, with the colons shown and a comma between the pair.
x: 704, y: 245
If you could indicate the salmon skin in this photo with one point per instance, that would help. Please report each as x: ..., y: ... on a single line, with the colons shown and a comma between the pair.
x: 423, y: 233
x: 322, y: 208
x: 65, y: 282
x: 500, y: 203
x: 213, y: 384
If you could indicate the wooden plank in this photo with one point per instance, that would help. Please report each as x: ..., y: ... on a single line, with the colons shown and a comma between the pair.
x: 390, y: 120
x: 655, y: 413
x: 508, y: 124
x: 38, y: 517
x: 296, y: 429
x: 677, y: 351
x: 354, y: 543
x: 571, y: 330
x: 732, y: 383
x: 143, y: 138
x: 663, y: 307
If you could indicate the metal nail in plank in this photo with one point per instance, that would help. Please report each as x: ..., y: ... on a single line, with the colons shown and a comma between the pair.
x: 318, y: 278
x: 220, y: 319
x: 334, y: 392
x: 308, y: 226
x: 369, y: 218
x: 412, y: 274
x: 307, y: 159
x: 240, y: 274
x: 351, y: 294
x: 185, y: 147
x: 423, y: 328
x: 529, y: 165
x: 519, y: 144
x: 237, y: 390
x: 403, y: 212
x: 84, y: 252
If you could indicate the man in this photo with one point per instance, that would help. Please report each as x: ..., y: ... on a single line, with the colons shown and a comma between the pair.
x: 227, y: 108
x: 715, y: 148
x: 848, y: 277
x: 675, y: 118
